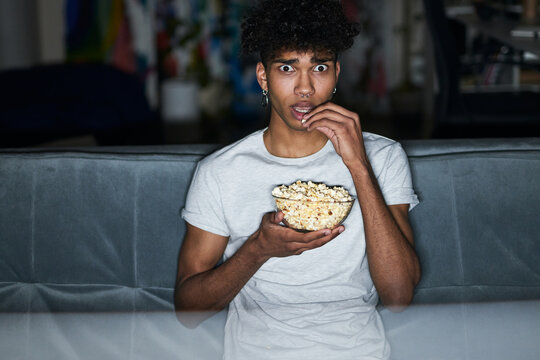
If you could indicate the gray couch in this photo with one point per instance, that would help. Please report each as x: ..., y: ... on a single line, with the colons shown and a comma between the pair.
x: 89, y: 241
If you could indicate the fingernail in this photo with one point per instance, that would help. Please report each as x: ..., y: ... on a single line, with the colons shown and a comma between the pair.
x: 327, y: 232
x: 341, y: 229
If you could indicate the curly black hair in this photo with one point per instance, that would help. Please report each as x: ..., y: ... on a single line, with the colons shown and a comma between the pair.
x: 274, y: 26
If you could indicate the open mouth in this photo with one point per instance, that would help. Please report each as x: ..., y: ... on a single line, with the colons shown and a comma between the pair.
x: 301, y: 109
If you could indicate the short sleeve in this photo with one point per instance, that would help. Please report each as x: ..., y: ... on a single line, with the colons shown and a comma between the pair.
x: 204, y: 208
x: 396, y: 185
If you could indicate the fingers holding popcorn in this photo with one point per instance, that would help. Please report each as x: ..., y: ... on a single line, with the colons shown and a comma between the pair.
x: 341, y: 126
x: 274, y: 240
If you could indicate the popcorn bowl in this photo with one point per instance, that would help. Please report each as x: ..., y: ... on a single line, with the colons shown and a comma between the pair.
x: 309, y: 215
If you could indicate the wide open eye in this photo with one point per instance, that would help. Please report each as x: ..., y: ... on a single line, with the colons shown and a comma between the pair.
x: 320, y: 67
x: 286, y: 68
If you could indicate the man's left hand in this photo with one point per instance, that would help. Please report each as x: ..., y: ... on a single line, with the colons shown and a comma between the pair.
x: 343, y: 129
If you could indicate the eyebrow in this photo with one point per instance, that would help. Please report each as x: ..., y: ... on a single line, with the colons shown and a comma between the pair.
x: 313, y: 60
x: 317, y: 60
x: 286, y: 61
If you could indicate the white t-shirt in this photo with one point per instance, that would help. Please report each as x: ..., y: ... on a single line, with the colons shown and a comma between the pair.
x: 317, y: 305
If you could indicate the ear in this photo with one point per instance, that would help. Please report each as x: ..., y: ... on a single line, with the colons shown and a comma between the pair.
x: 261, y: 76
x: 338, y: 69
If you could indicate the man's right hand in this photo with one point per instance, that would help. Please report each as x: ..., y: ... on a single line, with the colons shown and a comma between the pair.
x: 203, y: 286
x: 275, y: 240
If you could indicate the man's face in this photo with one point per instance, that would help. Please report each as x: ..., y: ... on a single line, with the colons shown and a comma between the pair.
x: 297, y: 82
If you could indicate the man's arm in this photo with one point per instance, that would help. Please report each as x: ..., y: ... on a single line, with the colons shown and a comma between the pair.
x: 201, y: 286
x: 393, y: 263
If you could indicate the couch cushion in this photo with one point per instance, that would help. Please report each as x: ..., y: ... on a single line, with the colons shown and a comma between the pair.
x: 475, y: 228
x: 87, y: 230
x: 479, y: 331
x: 85, y: 336
x: 99, y: 229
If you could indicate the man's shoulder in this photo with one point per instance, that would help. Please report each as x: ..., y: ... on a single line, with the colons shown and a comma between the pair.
x: 376, y: 144
x: 222, y: 158
x: 246, y: 145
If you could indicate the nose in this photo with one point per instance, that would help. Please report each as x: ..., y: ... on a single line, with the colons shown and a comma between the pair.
x: 304, y: 86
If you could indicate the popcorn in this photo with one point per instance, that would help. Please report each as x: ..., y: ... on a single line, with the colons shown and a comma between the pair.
x: 312, y: 206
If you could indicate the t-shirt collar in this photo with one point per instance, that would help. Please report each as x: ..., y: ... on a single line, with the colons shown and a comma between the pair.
x: 323, y: 151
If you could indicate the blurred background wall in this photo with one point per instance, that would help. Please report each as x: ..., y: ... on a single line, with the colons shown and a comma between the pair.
x: 185, y: 53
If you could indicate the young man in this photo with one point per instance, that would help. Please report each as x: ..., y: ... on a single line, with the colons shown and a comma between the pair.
x: 294, y: 295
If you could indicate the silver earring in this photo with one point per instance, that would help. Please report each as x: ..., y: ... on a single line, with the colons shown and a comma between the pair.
x: 264, y: 100
x: 334, y: 91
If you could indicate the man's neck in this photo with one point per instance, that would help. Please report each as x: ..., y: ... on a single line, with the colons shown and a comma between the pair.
x: 284, y: 142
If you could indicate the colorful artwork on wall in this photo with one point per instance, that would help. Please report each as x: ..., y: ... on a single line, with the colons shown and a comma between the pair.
x: 116, y: 32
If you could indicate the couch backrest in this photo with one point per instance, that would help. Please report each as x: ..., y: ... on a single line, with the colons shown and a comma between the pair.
x: 99, y: 229
x: 477, y: 230
x: 92, y: 230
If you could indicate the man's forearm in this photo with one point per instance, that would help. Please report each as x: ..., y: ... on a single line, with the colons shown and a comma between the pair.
x: 393, y: 263
x: 214, y: 289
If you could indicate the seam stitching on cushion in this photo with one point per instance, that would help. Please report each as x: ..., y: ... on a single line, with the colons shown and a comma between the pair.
x: 87, y: 284
x: 510, y: 152
x: 135, y: 231
x: 6, y: 283
x: 192, y: 158
x: 456, y: 221
x: 477, y: 285
x: 32, y: 236
x: 32, y: 265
